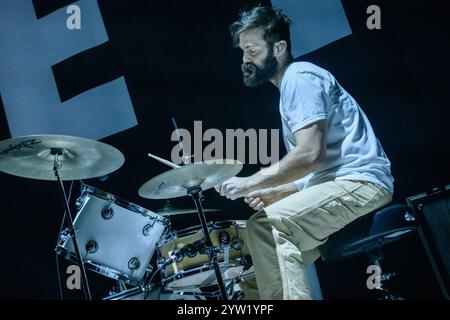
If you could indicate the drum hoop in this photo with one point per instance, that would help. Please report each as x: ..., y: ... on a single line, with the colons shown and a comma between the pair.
x: 98, y: 268
x: 89, y: 190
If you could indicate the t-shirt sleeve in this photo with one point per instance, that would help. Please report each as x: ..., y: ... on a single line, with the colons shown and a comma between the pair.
x: 304, y: 100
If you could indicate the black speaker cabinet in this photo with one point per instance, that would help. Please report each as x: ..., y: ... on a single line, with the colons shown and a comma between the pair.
x: 432, y: 213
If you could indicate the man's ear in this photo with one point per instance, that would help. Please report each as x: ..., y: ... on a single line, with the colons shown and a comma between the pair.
x: 280, y: 48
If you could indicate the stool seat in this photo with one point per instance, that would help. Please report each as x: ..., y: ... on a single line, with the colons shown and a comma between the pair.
x: 368, y: 233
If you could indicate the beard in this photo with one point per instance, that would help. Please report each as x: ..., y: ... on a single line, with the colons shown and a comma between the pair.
x: 254, y: 76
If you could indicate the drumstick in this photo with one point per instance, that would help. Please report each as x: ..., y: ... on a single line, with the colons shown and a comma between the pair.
x: 170, y: 164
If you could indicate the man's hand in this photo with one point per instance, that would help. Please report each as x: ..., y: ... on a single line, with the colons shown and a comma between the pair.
x: 259, y: 199
x: 234, y: 188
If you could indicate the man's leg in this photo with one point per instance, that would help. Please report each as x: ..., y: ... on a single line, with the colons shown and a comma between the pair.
x: 279, y: 234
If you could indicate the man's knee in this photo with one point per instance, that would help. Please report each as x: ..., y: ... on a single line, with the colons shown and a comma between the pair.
x: 256, y: 221
x: 261, y: 225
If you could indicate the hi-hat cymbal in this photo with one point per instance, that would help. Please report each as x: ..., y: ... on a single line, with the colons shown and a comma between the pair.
x: 177, y: 182
x: 33, y: 157
x: 171, y: 211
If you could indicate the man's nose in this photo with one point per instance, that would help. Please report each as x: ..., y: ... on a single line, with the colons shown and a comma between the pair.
x: 246, y: 58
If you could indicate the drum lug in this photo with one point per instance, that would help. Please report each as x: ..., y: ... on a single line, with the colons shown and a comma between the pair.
x: 226, y: 254
x: 237, y: 244
x: 64, y: 236
x: 134, y: 264
x: 148, y: 228
x: 91, y: 246
x: 107, y: 212
x: 79, y: 203
x: 160, y: 262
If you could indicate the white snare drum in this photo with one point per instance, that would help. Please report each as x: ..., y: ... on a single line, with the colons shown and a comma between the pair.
x: 195, y: 270
x: 116, y: 238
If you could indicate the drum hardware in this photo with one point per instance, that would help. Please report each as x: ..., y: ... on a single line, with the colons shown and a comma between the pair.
x: 224, y: 238
x: 156, y: 292
x: 60, y: 158
x: 190, y: 250
x: 146, y: 231
x: 225, y: 241
x: 226, y: 254
x: 197, y: 272
x: 210, y: 292
x: 57, y: 152
x: 107, y: 212
x: 194, y: 192
x: 191, y: 180
x: 134, y: 264
x: 236, y: 244
x: 91, y: 246
x: 121, y: 291
x: 198, y: 294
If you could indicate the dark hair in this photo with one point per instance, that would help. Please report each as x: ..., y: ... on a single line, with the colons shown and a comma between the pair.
x: 272, y: 21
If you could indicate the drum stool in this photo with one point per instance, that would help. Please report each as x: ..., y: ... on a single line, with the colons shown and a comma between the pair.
x: 367, y: 235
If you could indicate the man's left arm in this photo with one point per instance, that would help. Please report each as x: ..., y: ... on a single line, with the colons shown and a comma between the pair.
x: 308, y: 153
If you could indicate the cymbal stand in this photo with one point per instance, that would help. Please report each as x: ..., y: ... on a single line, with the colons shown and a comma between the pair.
x: 56, y: 166
x: 194, y: 192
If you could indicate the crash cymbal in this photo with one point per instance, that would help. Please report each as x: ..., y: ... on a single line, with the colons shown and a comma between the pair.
x: 33, y: 157
x: 176, y: 182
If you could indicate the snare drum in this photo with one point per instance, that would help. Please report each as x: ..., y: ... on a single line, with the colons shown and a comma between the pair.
x: 195, y: 271
x: 116, y: 238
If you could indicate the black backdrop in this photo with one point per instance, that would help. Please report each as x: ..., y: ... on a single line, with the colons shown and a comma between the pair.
x: 177, y: 61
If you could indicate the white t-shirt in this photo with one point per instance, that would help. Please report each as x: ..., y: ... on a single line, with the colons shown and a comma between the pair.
x: 353, y: 152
